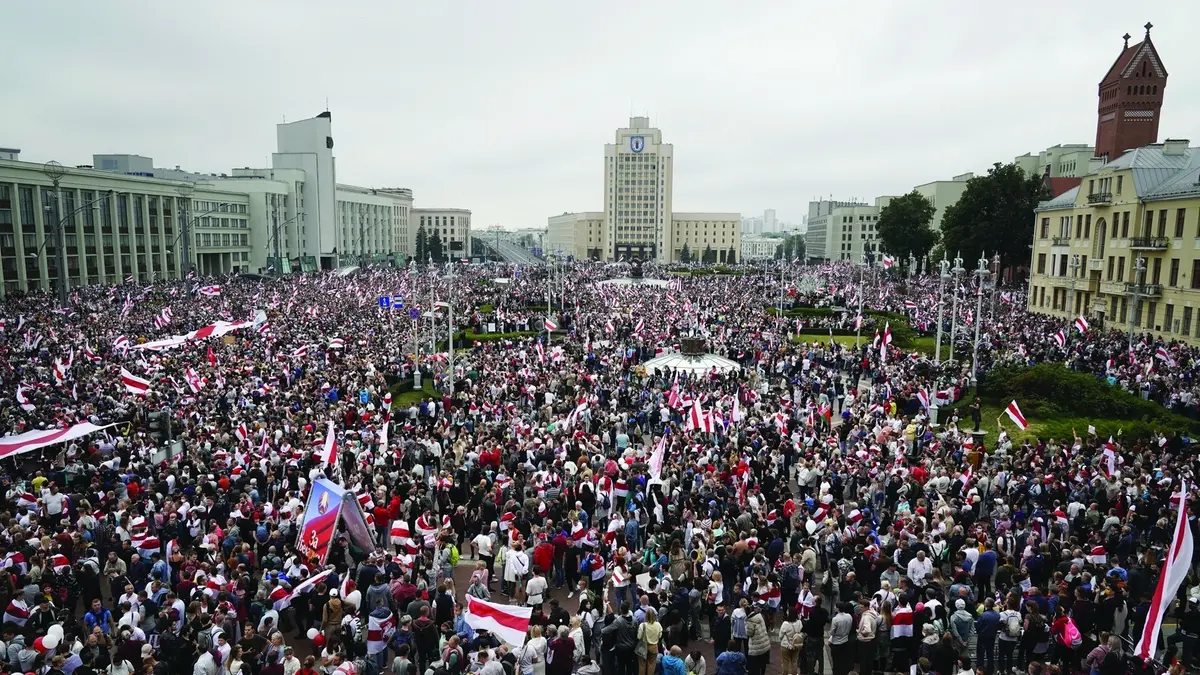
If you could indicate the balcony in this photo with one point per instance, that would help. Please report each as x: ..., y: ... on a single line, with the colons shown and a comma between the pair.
x: 1100, y: 198
x: 1144, y: 290
x: 1149, y: 243
x: 1096, y: 265
x: 1060, y: 241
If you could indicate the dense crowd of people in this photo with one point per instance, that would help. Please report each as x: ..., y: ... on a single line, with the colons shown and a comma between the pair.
x: 799, y: 512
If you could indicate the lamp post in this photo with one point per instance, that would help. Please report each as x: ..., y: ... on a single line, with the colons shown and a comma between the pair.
x: 912, y: 266
x: 995, y: 285
x: 45, y: 240
x: 858, y: 317
x: 943, y: 275
x: 1139, y: 275
x: 450, y: 329
x: 185, y: 191
x: 55, y: 172
x: 956, y: 271
x: 982, y: 272
x: 412, y: 284
x: 1071, y: 302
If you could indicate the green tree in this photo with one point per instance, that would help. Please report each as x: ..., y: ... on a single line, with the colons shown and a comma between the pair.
x: 422, y: 245
x: 435, y: 247
x: 994, y: 215
x: 904, y: 226
x: 799, y: 247
x: 709, y: 255
x: 779, y: 252
x: 685, y: 255
x: 731, y: 257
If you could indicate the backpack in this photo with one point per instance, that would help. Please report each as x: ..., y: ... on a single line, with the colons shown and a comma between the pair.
x: 1012, y: 627
x: 1071, y: 636
x: 204, y: 640
x: 453, y: 555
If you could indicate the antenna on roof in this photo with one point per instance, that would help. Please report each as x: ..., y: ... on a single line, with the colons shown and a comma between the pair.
x: 326, y: 104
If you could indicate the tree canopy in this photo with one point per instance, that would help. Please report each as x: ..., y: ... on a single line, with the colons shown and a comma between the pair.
x: 904, y: 226
x: 792, y: 248
x: 994, y: 215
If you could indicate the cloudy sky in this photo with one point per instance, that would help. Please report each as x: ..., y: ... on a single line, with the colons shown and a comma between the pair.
x: 504, y: 107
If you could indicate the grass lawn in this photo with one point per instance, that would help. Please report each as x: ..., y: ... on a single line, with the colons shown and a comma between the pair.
x: 922, y: 344
x: 402, y: 400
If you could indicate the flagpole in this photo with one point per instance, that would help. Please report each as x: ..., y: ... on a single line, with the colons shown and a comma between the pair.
x: 858, y: 317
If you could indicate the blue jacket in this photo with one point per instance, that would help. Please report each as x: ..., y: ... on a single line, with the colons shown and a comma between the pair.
x: 987, y: 626
x: 672, y: 665
x: 731, y: 663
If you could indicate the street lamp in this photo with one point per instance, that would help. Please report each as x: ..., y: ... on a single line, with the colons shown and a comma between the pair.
x: 957, y: 271
x: 912, y: 266
x: 982, y: 272
x: 1139, y: 275
x: 858, y: 317
x: 943, y: 275
x: 412, y: 284
x: 108, y: 194
x: 185, y: 191
x: 995, y: 284
x: 55, y: 172
x: 1071, y: 299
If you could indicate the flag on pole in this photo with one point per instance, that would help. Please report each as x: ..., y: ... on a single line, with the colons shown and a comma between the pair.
x: 1014, y: 413
x: 329, y: 450
x: 550, y: 325
x: 1061, y: 338
x: 1081, y: 324
x: 1174, y: 571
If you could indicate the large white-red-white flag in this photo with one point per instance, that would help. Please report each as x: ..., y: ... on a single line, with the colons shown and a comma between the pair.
x: 300, y: 589
x: 507, y: 622
x: 1174, y: 571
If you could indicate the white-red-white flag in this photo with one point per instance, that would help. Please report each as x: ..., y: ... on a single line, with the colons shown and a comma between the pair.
x: 1175, y: 569
x: 507, y: 622
x: 24, y: 400
x: 134, y: 384
x: 329, y: 451
x: 1014, y: 413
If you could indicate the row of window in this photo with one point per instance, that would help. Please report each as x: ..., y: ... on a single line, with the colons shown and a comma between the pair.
x: 225, y: 240
x: 220, y: 207
x: 1081, y: 225
x: 1146, y: 315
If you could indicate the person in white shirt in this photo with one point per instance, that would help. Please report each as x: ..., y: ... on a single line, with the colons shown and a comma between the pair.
x: 535, y: 590
x: 918, y: 567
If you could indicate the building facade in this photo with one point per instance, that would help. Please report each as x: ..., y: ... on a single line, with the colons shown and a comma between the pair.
x: 719, y: 233
x: 453, y: 227
x: 114, y: 226
x: 578, y: 234
x: 373, y: 225
x: 843, y: 230
x: 758, y: 248
x: 638, y: 171
x: 943, y: 193
x: 1124, y: 246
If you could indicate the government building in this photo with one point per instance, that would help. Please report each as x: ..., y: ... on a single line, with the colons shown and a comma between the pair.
x: 638, y: 220
x: 123, y: 217
x: 1123, y: 247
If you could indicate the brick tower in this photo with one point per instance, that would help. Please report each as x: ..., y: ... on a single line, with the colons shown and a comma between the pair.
x: 1131, y: 96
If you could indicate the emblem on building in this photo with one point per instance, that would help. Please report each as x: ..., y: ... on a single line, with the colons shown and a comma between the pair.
x: 637, y: 143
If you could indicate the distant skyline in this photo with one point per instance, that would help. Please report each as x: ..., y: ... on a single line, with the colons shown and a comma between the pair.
x: 505, y: 109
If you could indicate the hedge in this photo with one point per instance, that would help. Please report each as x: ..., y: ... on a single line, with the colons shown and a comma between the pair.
x: 1050, y: 391
x: 469, y: 336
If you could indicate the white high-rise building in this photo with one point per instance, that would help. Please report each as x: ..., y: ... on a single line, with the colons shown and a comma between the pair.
x: 769, y: 222
x: 637, y: 193
x: 308, y: 145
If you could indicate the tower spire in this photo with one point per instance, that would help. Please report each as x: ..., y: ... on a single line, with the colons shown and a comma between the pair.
x: 1127, y: 36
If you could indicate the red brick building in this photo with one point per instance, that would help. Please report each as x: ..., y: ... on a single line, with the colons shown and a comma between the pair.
x: 1131, y: 97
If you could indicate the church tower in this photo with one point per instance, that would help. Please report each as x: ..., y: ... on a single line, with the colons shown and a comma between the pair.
x: 1131, y: 97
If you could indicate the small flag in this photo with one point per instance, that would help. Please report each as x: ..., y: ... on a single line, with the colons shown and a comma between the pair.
x: 1081, y: 324
x: 1014, y: 413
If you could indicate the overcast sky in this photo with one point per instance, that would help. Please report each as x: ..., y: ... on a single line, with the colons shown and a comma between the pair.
x: 504, y: 107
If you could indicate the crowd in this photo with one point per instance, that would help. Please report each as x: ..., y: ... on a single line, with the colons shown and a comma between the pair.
x: 799, y: 513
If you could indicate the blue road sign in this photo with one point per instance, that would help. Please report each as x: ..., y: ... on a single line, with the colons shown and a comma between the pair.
x: 384, y: 302
x: 397, y: 302
x: 414, y: 313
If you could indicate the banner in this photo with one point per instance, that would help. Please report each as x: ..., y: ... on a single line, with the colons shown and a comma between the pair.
x: 35, y: 440
x: 320, y: 519
x: 356, y: 526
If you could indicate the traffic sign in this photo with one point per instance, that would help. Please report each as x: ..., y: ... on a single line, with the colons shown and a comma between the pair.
x: 397, y: 302
x: 414, y: 313
x: 385, y: 302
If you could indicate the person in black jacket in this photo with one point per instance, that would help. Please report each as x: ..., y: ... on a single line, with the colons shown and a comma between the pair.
x: 721, y: 631
x: 625, y: 634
